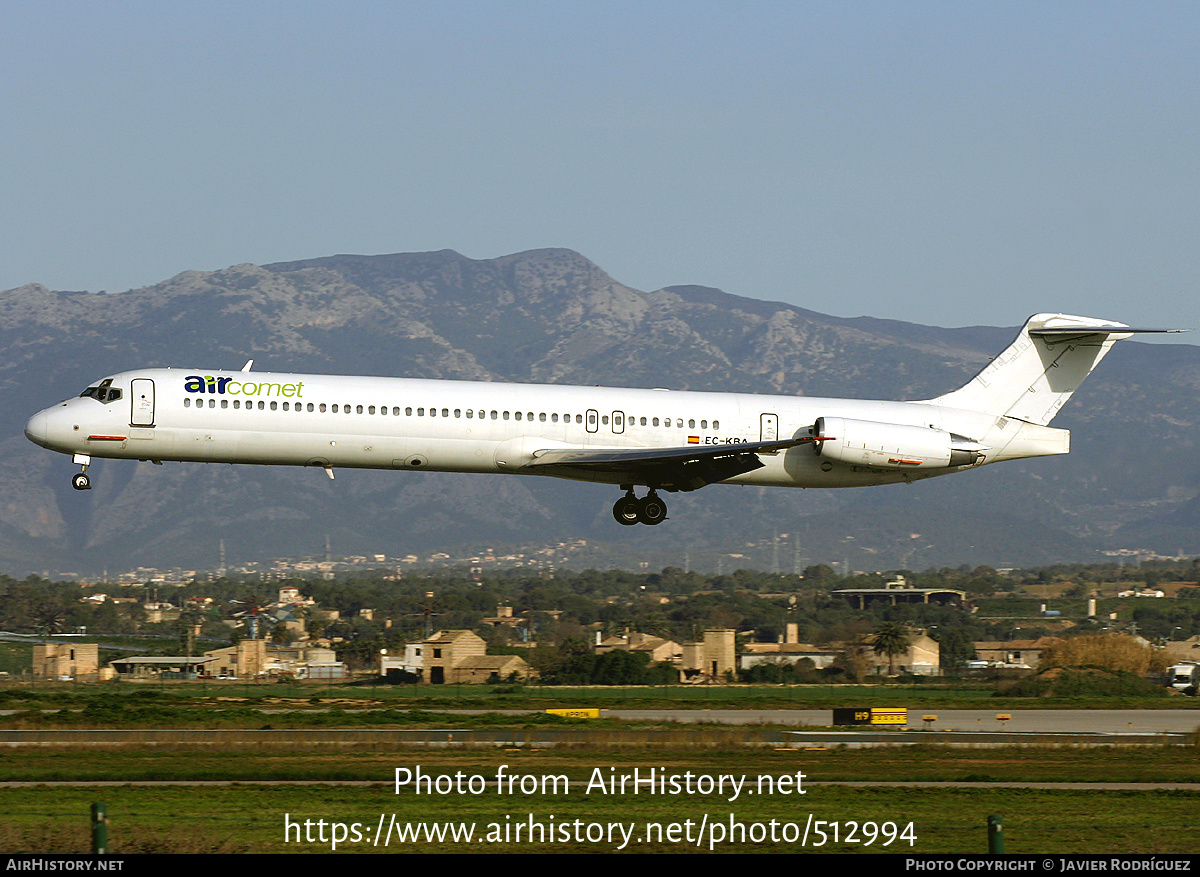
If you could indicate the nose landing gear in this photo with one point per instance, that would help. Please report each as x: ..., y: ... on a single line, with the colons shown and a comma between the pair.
x: 80, y: 480
x: 649, y: 510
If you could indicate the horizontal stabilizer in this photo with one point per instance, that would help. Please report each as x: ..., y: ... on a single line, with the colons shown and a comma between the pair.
x: 1101, y: 330
x: 1035, y: 376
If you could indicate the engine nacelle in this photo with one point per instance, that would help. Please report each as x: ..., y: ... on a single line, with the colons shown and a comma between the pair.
x: 893, y: 445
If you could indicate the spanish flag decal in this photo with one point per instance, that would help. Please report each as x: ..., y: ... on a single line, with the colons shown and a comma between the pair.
x: 693, y: 439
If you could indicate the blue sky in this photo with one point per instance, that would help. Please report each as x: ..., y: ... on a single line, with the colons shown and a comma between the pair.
x: 951, y: 164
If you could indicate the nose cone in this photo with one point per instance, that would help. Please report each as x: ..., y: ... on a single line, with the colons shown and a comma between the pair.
x: 35, y: 429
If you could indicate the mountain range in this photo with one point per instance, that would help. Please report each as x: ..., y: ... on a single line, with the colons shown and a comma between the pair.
x: 1130, y: 481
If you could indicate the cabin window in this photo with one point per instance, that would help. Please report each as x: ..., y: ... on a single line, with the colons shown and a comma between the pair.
x: 458, y: 412
x: 408, y: 412
x: 187, y: 402
x: 691, y: 424
x: 518, y: 415
x: 542, y: 417
x: 643, y: 421
x: 716, y: 425
x: 358, y: 409
x: 420, y: 412
x: 335, y: 409
x: 285, y: 407
x: 704, y: 424
x: 604, y: 419
x: 445, y: 412
x: 224, y: 403
x: 495, y: 415
x: 506, y: 415
x: 578, y: 418
x: 554, y: 418
x: 274, y: 406
x: 310, y: 406
x: 470, y: 413
x: 321, y: 407
x: 370, y: 409
x: 396, y: 411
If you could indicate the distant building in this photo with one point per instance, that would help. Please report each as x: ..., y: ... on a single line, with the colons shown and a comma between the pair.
x: 445, y: 649
x: 158, y: 612
x: 923, y: 657
x: 503, y: 618
x: 658, y: 648
x: 1015, y: 653
x: 305, y: 662
x: 484, y: 667
x: 452, y: 657
x: 247, y: 658
x: 754, y: 654
x: 899, y: 591
x: 59, y: 660
x: 168, y: 667
x: 713, y: 659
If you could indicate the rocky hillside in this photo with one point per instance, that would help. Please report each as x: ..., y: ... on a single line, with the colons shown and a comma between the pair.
x: 553, y: 316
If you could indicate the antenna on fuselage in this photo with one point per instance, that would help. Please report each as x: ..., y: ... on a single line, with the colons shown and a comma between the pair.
x: 249, y: 363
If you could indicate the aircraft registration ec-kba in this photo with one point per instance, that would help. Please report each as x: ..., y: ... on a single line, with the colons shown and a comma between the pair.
x: 659, y: 439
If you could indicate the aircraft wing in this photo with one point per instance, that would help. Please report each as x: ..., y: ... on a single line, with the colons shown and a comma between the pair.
x: 687, y: 468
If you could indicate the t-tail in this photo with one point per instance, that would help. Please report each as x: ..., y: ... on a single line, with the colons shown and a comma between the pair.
x: 1036, y: 375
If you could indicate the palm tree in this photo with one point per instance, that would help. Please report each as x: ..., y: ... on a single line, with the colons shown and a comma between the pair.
x: 50, y: 619
x: 891, y: 639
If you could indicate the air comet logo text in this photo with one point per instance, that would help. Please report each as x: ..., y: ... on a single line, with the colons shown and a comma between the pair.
x: 228, y: 386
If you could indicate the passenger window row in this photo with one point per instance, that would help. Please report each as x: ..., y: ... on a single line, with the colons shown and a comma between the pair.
x: 469, y: 413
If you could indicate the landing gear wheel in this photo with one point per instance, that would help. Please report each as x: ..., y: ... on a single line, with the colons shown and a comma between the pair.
x: 625, y: 510
x: 652, y: 510
x: 80, y: 481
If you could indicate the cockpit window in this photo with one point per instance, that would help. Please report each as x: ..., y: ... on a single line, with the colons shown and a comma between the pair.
x: 103, y: 392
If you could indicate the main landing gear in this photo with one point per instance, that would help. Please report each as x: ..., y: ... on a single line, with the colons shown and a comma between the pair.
x: 80, y: 480
x: 630, y: 510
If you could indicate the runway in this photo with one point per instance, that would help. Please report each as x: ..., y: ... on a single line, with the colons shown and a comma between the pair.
x: 1173, y: 721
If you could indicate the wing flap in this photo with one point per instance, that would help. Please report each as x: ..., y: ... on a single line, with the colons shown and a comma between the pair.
x: 686, y: 468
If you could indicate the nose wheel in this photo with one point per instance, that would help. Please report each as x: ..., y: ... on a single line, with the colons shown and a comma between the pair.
x: 649, y: 510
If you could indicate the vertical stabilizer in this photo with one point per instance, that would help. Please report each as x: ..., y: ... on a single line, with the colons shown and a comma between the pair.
x: 1036, y: 375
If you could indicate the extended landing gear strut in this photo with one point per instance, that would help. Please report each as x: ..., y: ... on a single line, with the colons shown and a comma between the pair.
x: 630, y: 510
x: 80, y: 480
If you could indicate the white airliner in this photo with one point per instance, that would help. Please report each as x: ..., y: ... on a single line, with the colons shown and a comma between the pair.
x: 660, y: 439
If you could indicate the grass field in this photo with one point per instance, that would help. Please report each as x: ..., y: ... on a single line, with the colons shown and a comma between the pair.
x: 269, y: 798
x: 933, y: 695
x: 278, y: 786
